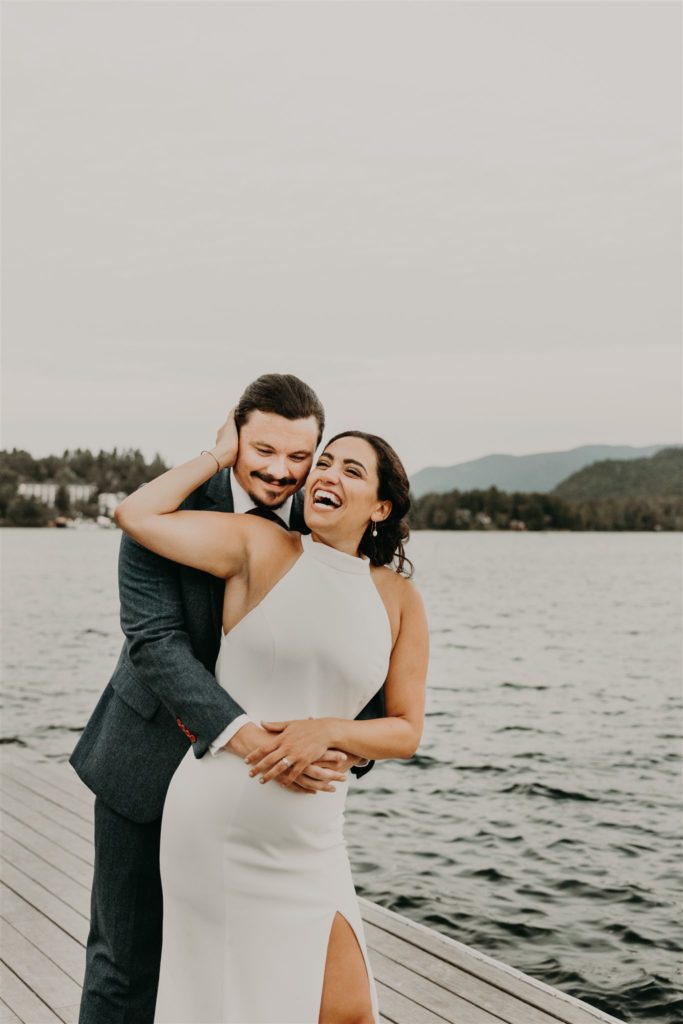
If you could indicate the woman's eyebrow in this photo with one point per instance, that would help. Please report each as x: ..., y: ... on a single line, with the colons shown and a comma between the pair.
x: 355, y: 462
x: 347, y: 462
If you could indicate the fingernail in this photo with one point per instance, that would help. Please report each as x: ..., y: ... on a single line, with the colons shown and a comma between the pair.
x: 262, y: 779
x: 252, y: 772
x: 246, y: 760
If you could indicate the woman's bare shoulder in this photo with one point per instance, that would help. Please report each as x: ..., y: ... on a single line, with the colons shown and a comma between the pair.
x: 398, y: 593
x: 271, y: 552
x: 395, y: 583
x: 269, y: 547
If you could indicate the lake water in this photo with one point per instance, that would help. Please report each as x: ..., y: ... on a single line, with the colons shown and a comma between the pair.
x: 540, y: 821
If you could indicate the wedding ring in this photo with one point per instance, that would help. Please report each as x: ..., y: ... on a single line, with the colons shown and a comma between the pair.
x: 288, y: 763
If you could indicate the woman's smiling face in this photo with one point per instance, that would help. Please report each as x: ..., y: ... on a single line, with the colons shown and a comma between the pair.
x: 341, y: 491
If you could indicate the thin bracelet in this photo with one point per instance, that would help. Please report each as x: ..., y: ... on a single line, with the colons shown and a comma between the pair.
x: 218, y: 465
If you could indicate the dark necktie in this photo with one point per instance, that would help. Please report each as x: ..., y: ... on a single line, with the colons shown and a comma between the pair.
x: 267, y: 513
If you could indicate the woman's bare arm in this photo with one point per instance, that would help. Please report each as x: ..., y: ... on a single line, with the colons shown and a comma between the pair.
x: 400, y: 732
x: 212, y: 541
x: 395, y: 736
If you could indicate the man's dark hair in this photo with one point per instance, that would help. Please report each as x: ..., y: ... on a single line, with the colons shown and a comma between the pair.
x: 285, y: 395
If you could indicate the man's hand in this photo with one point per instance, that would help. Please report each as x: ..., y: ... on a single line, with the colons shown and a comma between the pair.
x: 319, y: 775
x: 246, y: 739
x: 298, y: 743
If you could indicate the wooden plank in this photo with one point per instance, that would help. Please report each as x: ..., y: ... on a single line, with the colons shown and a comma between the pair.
x: 52, y: 907
x: 557, y: 1004
x: 47, y: 827
x: 424, y: 977
x: 69, y: 1014
x: 399, y: 1009
x: 51, y: 940
x: 23, y: 1001
x: 46, y: 787
x: 66, y: 819
x: 72, y: 893
x: 47, y: 981
x: 451, y: 979
x: 59, y: 774
x: 7, y: 1015
x: 428, y: 994
x: 48, y: 851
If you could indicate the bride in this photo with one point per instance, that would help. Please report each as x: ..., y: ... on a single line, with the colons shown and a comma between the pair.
x: 256, y: 881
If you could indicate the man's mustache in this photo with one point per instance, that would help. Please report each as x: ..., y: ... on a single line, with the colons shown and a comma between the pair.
x: 268, y: 479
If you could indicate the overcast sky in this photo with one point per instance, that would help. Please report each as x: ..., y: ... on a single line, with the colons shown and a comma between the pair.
x: 460, y: 222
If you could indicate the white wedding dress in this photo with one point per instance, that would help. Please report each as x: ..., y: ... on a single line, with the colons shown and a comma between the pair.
x: 254, y: 874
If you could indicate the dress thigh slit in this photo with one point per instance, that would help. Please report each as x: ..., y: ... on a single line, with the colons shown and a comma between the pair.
x: 360, y: 946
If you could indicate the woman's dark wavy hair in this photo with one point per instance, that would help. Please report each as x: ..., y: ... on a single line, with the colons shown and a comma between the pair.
x: 387, y: 547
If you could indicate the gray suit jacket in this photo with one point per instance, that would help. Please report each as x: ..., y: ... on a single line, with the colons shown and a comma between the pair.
x: 163, y: 694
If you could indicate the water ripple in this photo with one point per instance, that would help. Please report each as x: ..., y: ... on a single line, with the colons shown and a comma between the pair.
x: 538, y: 823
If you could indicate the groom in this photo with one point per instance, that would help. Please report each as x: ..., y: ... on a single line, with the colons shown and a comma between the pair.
x: 163, y: 696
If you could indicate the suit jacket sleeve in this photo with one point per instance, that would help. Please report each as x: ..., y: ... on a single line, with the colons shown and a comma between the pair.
x: 374, y: 709
x: 160, y: 649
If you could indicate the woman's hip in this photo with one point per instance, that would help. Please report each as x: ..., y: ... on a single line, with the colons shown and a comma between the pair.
x: 218, y: 797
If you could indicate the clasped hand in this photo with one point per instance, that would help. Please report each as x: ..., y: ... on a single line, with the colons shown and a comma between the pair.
x: 301, y: 741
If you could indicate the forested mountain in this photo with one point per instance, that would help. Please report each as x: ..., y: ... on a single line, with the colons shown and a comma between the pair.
x: 611, y: 494
x: 628, y: 494
x: 659, y: 476
x: 538, y: 473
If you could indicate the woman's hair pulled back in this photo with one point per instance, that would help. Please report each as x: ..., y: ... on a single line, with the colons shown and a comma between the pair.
x: 387, y: 547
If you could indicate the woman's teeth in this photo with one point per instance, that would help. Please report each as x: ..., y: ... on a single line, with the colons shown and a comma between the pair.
x: 325, y: 499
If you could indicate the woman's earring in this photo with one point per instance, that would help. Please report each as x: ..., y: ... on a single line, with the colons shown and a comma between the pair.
x: 374, y: 528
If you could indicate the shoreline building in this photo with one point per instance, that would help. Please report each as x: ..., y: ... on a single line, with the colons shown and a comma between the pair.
x: 46, y: 492
x: 106, y: 503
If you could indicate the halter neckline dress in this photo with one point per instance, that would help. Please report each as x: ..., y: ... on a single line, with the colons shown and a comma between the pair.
x: 252, y: 874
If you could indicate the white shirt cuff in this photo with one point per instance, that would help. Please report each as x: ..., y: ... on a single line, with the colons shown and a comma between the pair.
x: 228, y: 733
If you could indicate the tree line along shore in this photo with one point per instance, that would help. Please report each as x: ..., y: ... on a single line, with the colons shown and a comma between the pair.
x: 636, y: 494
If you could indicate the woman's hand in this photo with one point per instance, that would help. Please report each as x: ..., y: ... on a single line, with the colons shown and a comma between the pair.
x: 301, y: 741
x: 227, y: 441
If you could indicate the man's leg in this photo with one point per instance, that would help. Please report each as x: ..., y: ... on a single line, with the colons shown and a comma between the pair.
x: 124, y: 944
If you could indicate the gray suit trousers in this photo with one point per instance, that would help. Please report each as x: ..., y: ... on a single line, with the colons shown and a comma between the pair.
x: 124, y: 944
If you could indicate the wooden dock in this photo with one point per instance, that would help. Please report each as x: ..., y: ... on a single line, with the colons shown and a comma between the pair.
x: 422, y: 976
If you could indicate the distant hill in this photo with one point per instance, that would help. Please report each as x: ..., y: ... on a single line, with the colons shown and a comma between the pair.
x: 538, y: 473
x: 661, y: 475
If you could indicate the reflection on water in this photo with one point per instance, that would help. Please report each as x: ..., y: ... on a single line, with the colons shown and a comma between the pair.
x: 539, y: 821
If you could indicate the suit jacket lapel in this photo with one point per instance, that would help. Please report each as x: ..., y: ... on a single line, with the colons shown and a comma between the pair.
x: 216, y: 496
x: 217, y: 493
x: 296, y: 519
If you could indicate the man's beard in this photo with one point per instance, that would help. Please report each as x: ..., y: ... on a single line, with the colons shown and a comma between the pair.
x: 270, y: 480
